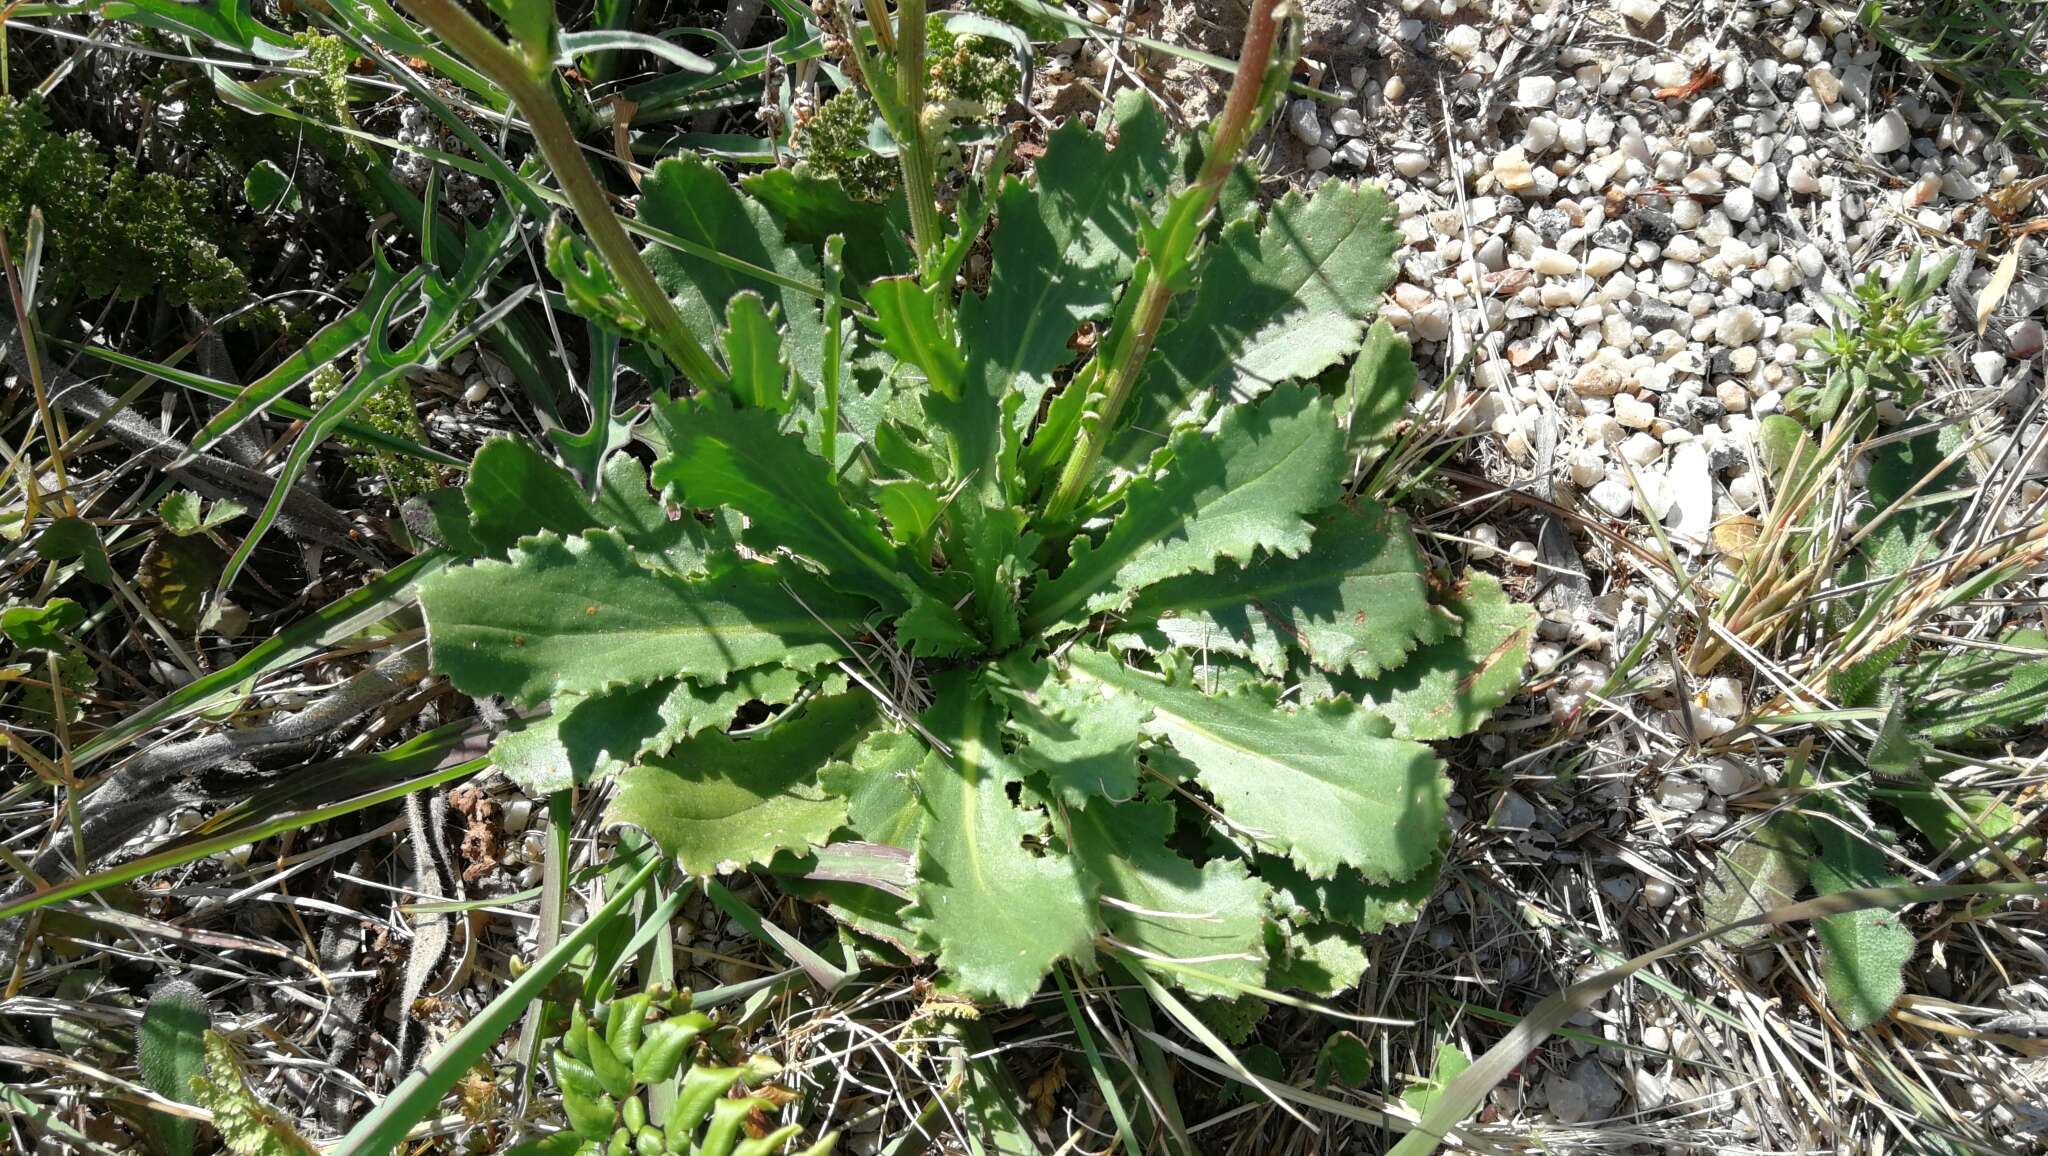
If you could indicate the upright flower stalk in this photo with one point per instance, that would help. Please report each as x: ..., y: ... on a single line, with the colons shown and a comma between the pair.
x: 1165, y: 271
x: 521, y: 74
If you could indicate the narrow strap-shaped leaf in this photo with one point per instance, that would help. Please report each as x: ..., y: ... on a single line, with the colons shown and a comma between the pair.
x: 572, y: 45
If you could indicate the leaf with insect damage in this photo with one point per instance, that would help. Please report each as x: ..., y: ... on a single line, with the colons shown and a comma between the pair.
x: 716, y: 802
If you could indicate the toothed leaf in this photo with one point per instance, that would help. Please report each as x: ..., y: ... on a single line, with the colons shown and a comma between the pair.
x: 1083, y: 737
x: 1221, y: 497
x: 1355, y: 602
x: 581, y: 615
x: 717, y: 802
x: 738, y: 458
x: 753, y: 353
x: 1327, y: 785
x: 689, y: 198
x: 879, y: 783
x: 1449, y: 687
x: 998, y: 913
x: 1275, y: 303
x: 1209, y: 920
x: 590, y: 737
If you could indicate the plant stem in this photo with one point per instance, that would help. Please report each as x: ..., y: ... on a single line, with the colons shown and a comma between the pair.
x: 1240, y: 115
x: 913, y: 150
x: 521, y: 81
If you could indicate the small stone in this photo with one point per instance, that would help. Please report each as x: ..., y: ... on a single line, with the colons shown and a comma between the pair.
x: 1511, y: 169
x: 1652, y: 225
x: 1681, y: 796
x: 1462, y: 41
x: 1640, y: 11
x: 1722, y: 697
x: 1514, y: 811
x: 1541, y: 134
x: 1601, y: 377
x: 1347, y: 122
x: 1410, y: 160
x: 1826, y: 86
x: 1804, y: 175
x: 1692, y: 488
x: 1318, y: 159
x: 1553, y: 263
x: 1703, y: 181
x: 1640, y: 449
x: 1354, y: 154
x: 1600, y: 262
x: 1536, y: 91
x: 1732, y: 396
x: 1395, y: 89
x: 1614, y: 498
x: 2024, y: 339
x: 1739, y: 326
x: 1739, y: 203
x: 1304, y: 122
x: 1658, y: 893
x: 1725, y: 777
x: 1766, y: 184
x: 1887, y: 134
x: 1634, y: 412
x: 1989, y: 366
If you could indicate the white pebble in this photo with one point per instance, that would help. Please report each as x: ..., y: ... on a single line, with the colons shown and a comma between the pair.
x: 1989, y: 366
x: 1535, y: 91
x: 1347, y: 122
x: 1641, y: 449
x: 1304, y: 122
x: 1888, y: 133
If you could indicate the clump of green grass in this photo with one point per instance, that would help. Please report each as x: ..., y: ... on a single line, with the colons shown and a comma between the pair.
x: 1991, y: 51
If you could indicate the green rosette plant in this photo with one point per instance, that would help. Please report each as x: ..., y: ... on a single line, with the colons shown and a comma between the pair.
x: 1051, y: 595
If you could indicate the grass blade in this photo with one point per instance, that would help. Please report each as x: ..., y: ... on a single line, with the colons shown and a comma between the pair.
x: 387, y: 1124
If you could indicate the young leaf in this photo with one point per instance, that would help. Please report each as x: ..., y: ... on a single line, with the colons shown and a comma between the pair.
x: 247, y: 1125
x: 1764, y: 870
x: 581, y: 615
x: 1378, y: 388
x: 1209, y: 919
x: 738, y: 458
x: 1061, y: 248
x: 878, y: 783
x: 1449, y: 687
x: 170, y: 1050
x: 753, y: 353
x: 907, y: 318
x: 1220, y: 497
x: 1354, y: 602
x: 39, y: 627
x: 1328, y: 785
x: 811, y: 208
x: 1863, y: 953
x: 1081, y: 735
x: 514, y: 492
x: 1280, y: 303
x: 998, y: 913
x: 715, y: 802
